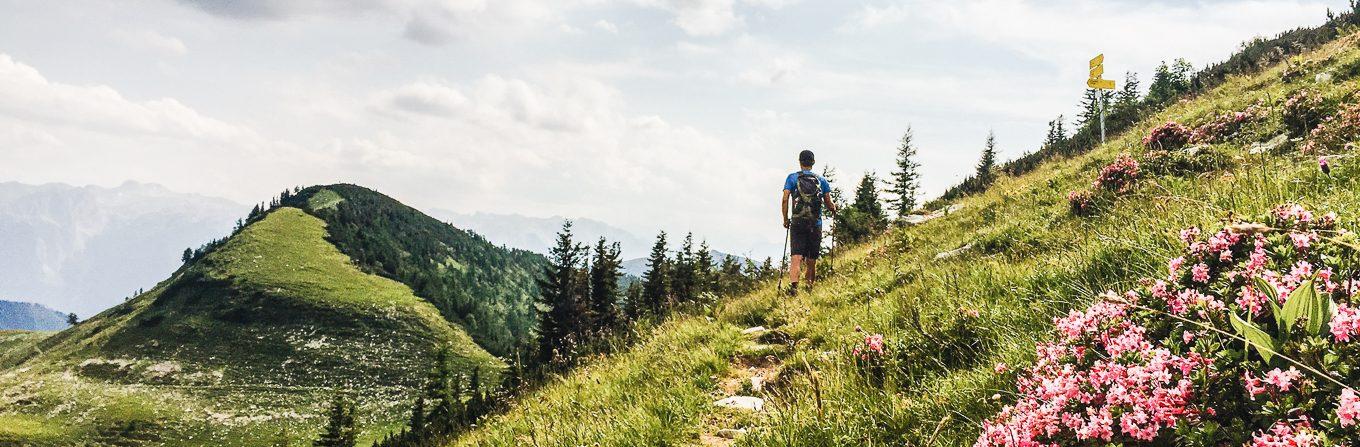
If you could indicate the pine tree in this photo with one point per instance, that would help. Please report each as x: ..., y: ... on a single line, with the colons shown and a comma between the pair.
x: 656, y: 280
x: 729, y: 277
x: 187, y: 256
x: 605, y: 271
x: 905, y: 182
x: 703, y: 270
x: 634, y: 306
x: 866, y: 197
x: 986, y: 167
x: 1127, y: 98
x: 682, y: 271
x: 561, y: 304
x: 417, y: 423
x: 71, y: 319
x: 339, y: 431
x: 1169, y: 82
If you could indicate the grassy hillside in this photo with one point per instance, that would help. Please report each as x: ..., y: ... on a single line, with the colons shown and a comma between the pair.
x: 1017, y: 258
x: 487, y: 289
x: 242, y: 347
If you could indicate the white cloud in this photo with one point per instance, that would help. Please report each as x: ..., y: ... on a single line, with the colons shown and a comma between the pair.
x: 607, y: 26
x: 27, y: 95
x: 429, y: 22
x: 152, y: 41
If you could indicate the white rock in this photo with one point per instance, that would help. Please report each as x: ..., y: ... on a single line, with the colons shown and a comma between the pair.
x: 731, y: 433
x: 1258, y: 148
x: 757, y: 383
x: 742, y: 402
x: 753, y: 330
x: 953, y: 253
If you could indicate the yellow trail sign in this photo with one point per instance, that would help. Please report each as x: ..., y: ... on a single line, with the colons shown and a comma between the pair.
x: 1097, y: 71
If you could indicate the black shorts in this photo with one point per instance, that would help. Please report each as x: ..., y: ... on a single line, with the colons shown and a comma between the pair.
x: 805, y: 242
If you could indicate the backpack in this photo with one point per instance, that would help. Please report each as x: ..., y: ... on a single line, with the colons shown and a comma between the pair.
x: 807, y: 201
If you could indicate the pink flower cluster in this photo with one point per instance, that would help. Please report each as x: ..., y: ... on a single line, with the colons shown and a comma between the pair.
x: 1142, y: 367
x: 1119, y: 175
x: 872, y: 348
x: 1103, y: 380
x: 1167, y: 137
x: 1334, y: 131
x: 1286, y: 434
x: 1224, y: 125
x: 1081, y: 203
x: 1303, y: 111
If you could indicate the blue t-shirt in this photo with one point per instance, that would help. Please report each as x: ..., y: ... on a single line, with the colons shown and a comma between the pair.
x: 791, y: 184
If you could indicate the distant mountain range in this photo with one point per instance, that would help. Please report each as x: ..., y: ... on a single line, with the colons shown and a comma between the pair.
x: 30, y: 317
x: 86, y: 248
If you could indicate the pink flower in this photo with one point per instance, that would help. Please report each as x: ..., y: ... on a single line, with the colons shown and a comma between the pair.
x: 1174, y: 265
x: 1324, y: 165
x: 1189, y: 235
x: 1253, y: 385
x: 1348, y: 408
x: 1200, y: 272
x: 1285, y: 434
x: 1282, y: 379
x: 1001, y: 368
x: 1345, y: 323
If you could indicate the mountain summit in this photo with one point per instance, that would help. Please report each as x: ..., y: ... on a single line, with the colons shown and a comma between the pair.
x: 333, y: 288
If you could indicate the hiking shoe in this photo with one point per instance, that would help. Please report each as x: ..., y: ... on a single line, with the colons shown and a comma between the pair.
x: 793, y: 289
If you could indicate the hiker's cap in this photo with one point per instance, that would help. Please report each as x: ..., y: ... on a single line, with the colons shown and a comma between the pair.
x: 805, y: 158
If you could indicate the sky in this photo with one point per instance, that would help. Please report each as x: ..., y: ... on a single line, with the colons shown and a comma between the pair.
x: 676, y: 115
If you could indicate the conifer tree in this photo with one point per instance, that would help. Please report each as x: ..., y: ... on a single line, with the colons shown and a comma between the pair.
x: 339, y: 431
x: 416, y: 425
x: 703, y: 270
x: 866, y: 197
x: 633, y: 305
x: 655, y: 281
x: 682, y: 272
x: 986, y: 167
x: 72, y: 319
x: 905, y: 182
x: 605, y: 271
x: 562, y: 306
x: 1127, y: 98
x: 187, y: 256
x: 729, y: 278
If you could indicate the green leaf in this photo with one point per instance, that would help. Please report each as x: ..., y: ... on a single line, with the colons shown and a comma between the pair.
x: 1304, y: 302
x: 1255, y: 337
x: 1272, y: 299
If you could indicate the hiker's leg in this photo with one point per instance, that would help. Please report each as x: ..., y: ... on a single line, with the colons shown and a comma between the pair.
x: 811, y: 270
x: 795, y: 263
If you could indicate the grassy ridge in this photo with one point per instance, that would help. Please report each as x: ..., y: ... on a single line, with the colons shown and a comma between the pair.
x: 241, y: 348
x: 1026, y: 260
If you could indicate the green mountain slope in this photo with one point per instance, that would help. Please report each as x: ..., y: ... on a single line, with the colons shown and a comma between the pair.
x: 953, y: 297
x: 30, y: 317
x: 242, y: 346
x: 487, y: 289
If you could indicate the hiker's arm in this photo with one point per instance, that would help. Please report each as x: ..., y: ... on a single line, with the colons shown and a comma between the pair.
x: 826, y: 198
x: 784, y: 208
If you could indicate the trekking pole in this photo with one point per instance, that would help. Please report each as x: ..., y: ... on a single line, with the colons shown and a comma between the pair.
x: 784, y: 260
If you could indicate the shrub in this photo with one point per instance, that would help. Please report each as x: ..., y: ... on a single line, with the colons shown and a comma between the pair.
x: 1223, y: 126
x: 1185, y: 161
x: 1118, y: 176
x: 1302, y: 112
x: 1169, y: 136
x: 1081, y: 203
x: 1335, y: 131
x: 871, y: 358
x: 1250, y: 338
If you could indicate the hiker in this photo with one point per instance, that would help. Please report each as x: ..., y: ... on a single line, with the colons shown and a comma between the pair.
x: 808, y: 193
